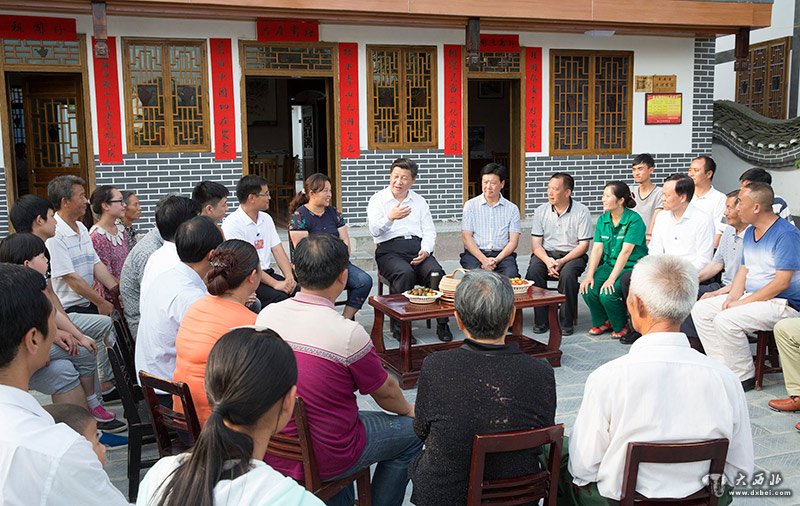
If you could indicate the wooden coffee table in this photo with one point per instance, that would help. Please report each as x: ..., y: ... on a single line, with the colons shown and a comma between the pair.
x: 406, y: 361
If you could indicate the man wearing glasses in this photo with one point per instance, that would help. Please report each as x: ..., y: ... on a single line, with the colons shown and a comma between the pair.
x: 251, y: 223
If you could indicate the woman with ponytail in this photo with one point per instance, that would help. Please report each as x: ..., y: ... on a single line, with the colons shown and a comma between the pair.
x: 251, y: 382
x: 312, y: 213
x: 233, y: 278
x: 619, y: 242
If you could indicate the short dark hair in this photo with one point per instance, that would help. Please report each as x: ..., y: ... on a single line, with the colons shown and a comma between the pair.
x: 61, y: 188
x: 19, y: 248
x: 407, y: 164
x: 496, y: 169
x: 196, y: 238
x: 319, y: 259
x: 684, y: 185
x: 732, y: 194
x: 756, y: 175
x: 75, y: 417
x: 708, y: 164
x: 23, y: 306
x: 645, y: 159
x: 209, y: 192
x: 249, y: 185
x: 27, y: 209
x: 126, y: 194
x: 171, y: 212
x: 567, y: 180
x: 101, y: 195
x: 762, y: 193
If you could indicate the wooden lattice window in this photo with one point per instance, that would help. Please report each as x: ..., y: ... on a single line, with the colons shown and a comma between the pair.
x: 762, y: 87
x: 401, y: 97
x: 590, y: 102
x: 167, y: 105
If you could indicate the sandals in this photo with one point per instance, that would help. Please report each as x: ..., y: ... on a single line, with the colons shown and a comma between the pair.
x: 622, y: 333
x: 602, y: 329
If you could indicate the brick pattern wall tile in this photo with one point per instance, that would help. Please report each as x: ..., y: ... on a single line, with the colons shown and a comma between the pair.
x: 703, y: 102
x: 439, y: 181
x: 153, y: 176
x: 4, y: 222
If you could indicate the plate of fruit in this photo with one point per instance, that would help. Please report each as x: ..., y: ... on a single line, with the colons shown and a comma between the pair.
x: 422, y: 295
x: 520, y: 285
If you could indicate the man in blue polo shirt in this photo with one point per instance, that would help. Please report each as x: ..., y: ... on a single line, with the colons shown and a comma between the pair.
x: 766, y: 288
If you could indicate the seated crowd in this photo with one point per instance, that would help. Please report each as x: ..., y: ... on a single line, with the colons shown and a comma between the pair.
x: 200, y: 297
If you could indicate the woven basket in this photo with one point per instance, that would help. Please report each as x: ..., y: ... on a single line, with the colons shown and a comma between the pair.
x: 450, y: 282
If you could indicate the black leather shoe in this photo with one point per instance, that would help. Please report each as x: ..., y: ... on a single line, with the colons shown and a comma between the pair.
x: 541, y: 329
x: 748, y: 384
x: 443, y: 332
x: 567, y: 331
x: 630, y: 337
x: 396, y: 333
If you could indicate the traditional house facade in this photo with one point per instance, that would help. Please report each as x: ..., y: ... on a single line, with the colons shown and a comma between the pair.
x: 185, y: 91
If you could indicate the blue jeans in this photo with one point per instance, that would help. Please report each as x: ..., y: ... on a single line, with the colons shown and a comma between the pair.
x: 359, y: 284
x: 392, y: 444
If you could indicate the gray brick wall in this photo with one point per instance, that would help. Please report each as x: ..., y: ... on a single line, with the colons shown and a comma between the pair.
x: 703, y: 102
x: 4, y: 222
x: 153, y: 176
x: 439, y: 181
x: 591, y: 173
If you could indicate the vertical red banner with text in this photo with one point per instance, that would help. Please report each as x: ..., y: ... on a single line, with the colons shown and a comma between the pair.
x: 453, y: 66
x: 533, y: 99
x: 106, y: 88
x: 348, y: 99
x: 222, y: 89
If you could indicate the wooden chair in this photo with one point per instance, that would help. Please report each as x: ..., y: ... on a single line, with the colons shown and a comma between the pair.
x: 175, y: 432
x: 714, y: 450
x: 264, y: 167
x: 283, y: 188
x: 766, y: 349
x: 299, y: 449
x: 140, y: 430
x: 529, y: 488
x: 127, y: 343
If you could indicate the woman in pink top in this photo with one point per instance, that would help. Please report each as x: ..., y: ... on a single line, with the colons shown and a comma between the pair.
x: 108, y: 237
x: 234, y: 276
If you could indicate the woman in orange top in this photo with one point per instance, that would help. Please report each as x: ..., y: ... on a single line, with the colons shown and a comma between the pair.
x: 234, y: 276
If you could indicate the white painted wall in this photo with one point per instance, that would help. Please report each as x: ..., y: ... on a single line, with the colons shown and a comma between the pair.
x: 652, y: 55
x: 729, y: 167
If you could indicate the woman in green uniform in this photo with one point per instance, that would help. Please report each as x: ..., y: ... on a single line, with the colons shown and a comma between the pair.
x: 619, y: 242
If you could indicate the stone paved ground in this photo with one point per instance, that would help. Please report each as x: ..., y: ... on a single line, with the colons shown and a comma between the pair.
x: 777, y: 444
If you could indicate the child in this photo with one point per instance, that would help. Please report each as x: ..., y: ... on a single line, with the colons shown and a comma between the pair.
x: 82, y: 422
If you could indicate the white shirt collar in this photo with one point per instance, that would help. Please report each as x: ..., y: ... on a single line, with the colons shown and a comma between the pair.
x: 63, y: 227
x: 13, y: 396
x: 659, y: 339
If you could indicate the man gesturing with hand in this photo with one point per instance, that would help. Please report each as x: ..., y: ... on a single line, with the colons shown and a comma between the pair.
x: 401, y: 224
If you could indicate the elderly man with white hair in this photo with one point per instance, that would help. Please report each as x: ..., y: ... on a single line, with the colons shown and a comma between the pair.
x: 662, y: 391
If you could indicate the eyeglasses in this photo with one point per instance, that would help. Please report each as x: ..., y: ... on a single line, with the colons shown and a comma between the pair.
x: 262, y: 194
x: 121, y: 201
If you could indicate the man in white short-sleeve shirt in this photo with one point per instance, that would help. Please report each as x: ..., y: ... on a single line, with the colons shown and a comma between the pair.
x: 251, y: 223
x: 707, y: 198
x: 42, y: 462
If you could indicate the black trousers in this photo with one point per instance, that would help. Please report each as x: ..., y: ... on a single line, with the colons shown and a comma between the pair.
x: 567, y: 285
x: 268, y: 295
x: 393, y: 258
x: 506, y: 267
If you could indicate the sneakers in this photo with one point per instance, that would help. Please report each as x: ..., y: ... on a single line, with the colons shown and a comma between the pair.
x: 112, y: 427
x: 111, y: 396
x: 113, y: 440
x: 101, y: 414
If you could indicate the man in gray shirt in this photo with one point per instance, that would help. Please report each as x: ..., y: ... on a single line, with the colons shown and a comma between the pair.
x: 646, y: 194
x: 560, y: 235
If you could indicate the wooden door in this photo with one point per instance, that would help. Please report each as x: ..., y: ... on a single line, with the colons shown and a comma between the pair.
x: 762, y: 87
x: 56, y: 141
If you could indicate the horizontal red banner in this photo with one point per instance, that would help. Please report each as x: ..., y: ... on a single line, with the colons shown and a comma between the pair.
x: 499, y: 43
x: 287, y: 30
x: 37, y: 28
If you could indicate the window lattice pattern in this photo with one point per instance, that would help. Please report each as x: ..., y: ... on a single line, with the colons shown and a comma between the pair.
x: 263, y: 56
x: 612, y: 92
x: 402, y: 97
x: 763, y: 86
x: 41, y: 52
x: 167, y: 90
x: 17, y: 114
x: 591, y: 102
x: 55, y: 132
x: 502, y: 63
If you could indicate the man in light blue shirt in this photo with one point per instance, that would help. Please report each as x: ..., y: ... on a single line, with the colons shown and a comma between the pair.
x: 490, y: 226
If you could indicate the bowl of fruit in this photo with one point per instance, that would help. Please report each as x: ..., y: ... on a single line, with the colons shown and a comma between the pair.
x: 422, y: 295
x: 520, y: 285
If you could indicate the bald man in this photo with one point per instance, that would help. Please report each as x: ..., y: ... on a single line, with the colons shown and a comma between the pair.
x: 765, y: 290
